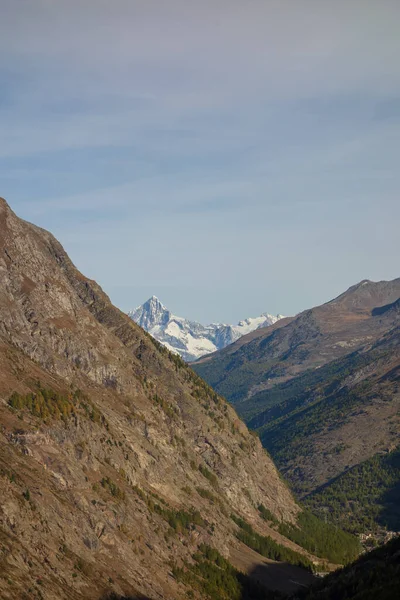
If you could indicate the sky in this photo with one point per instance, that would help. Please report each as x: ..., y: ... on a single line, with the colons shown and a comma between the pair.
x: 232, y: 157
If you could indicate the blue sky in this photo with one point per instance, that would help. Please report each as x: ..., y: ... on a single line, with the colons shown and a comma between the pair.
x: 231, y: 157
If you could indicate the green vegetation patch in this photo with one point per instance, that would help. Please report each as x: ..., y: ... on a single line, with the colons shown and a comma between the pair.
x: 268, y: 547
x: 47, y: 404
x: 322, y: 539
x: 267, y: 515
x: 214, y: 577
x: 212, y: 478
x: 364, y: 498
x: 178, y: 520
x: 170, y: 410
x: 44, y: 404
x: 112, y: 488
x: 211, y: 498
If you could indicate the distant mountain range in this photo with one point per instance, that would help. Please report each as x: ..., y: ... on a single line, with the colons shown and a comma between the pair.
x: 322, y: 389
x: 191, y: 339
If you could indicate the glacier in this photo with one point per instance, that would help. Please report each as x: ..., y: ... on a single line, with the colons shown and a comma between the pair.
x: 191, y: 339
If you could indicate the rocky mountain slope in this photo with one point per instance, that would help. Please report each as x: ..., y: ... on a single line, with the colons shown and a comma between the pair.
x: 330, y: 420
x: 190, y: 339
x: 117, y: 463
x: 321, y: 389
x: 315, y: 337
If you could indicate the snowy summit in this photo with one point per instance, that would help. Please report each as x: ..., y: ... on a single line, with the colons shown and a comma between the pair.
x: 190, y: 339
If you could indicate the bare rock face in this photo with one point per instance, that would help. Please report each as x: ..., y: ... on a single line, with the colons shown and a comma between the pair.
x: 92, y: 491
x: 55, y: 315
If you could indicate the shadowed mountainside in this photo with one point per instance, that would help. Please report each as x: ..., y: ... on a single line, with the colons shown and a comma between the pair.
x: 374, y: 575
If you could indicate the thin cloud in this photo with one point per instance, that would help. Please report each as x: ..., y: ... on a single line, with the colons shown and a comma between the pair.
x: 188, y: 146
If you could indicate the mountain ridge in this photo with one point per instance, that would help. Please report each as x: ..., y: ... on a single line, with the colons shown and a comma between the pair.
x: 311, y: 339
x: 191, y: 339
x: 116, y: 460
x: 322, y: 388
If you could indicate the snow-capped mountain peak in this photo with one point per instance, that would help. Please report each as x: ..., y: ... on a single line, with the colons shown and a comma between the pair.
x: 151, y: 314
x: 189, y: 338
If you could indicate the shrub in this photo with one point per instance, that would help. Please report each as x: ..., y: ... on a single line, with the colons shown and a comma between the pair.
x: 46, y: 404
x: 114, y: 490
x: 208, y: 475
x: 267, y: 547
x: 178, y: 520
x: 267, y: 515
x: 322, y: 539
x: 214, y: 577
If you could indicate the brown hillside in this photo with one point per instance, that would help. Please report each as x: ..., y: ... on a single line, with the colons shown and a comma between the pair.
x: 118, y: 437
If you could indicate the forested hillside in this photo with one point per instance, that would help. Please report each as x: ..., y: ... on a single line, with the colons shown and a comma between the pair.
x: 321, y: 422
x: 374, y: 576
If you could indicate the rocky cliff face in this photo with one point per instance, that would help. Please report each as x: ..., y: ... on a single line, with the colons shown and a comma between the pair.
x: 115, y: 458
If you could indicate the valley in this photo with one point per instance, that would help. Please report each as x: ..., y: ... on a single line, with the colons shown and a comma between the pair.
x: 118, y: 464
x: 199, y: 300
x: 124, y: 474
